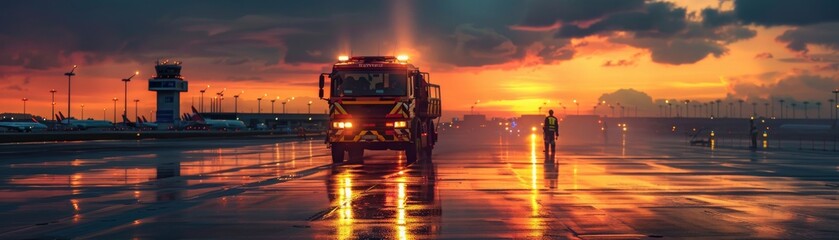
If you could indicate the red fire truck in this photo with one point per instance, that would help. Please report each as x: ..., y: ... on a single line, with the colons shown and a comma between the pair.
x: 380, y: 103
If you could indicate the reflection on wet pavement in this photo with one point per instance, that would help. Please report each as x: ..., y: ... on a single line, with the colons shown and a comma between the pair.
x: 477, y: 187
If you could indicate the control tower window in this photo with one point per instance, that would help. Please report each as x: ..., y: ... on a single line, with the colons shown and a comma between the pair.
x: 353, y: 84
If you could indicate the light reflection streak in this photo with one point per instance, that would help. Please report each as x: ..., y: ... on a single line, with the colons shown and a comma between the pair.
x: 535, y: 219
x: 623, y: 144
x: 345, y: 214
x: 401, y: 199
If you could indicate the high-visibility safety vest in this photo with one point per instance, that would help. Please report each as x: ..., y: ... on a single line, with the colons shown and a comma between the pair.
x: 551, y: 123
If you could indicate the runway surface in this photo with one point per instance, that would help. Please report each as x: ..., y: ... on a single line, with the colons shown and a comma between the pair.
x: 476, y: 187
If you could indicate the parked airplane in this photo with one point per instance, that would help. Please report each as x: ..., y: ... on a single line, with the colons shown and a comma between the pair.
x: 24, y: 126
x: 199, y: 122
x: 139, y: 124
x: 83, y: 124
x: 143, y: 123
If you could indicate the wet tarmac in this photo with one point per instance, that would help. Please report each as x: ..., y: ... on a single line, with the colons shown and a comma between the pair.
x: 496, y: 186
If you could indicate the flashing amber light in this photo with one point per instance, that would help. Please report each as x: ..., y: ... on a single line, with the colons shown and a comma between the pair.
x: 343, y: 58
x: 342, y: 125
x: 402, y: 58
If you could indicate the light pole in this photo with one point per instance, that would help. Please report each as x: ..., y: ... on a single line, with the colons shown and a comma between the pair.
x: 136, y: 101
x: 741, y: 107
x: 578, y: 106
x: 754, y: 108
x: 125, y: 107
x: 24, y: 104
x: 805, y: 109
x: 82, y: 112
x: 766, y: 111
x: 201, y: 101
x: 287, y: 100
x: 687, y: 108
x: 669, y: 108
x: 310, y: 107
x: 52, y: 111
x: 259, y: 105
x: 272, y: 105
x: 115, y: 110
x: 220, y: 98
x: 818, y: 110
x: 793, y: 104
x: 782, y: 107
x: 69, y: 75
x: 836, y: 101
x: 236, y: 103
x: 832, y: 106
x: 104, y: 118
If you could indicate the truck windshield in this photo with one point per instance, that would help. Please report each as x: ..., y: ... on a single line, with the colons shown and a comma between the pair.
x: 356, y: 84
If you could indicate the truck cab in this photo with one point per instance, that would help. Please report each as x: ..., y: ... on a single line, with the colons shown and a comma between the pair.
x: 380, y: 103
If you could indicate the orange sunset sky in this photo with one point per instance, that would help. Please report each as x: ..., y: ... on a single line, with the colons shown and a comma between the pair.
x: 513, y: 56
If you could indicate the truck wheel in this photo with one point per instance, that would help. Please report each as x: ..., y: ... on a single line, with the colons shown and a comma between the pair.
x: 356, y: 154
x: 337, y: 154
x: 427, y: 152
x: 413, y: 151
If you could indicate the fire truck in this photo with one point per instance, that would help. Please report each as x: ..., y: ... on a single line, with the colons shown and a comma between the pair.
x: 380, y: 103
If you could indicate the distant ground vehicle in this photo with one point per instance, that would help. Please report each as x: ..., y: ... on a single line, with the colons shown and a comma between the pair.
x: 380, y: 103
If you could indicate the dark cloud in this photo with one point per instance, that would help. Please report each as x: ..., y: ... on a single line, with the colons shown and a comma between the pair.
x: 655, y: 18
x: 554, y: 51
x: 543, y: 13
x: 623, y: 62
x: 800, y: 85
x: 828, y: 67
x: 715, y: 18
x: 629, y: 98
x: 667, y: 31
x: 244, y: 78
x: 677, y: 51
x: 785, y: 12
x: 482, y: 46
x: 15, y: 87
x: 764, y: 55
x: 18, y: 87
x: 825, y: 35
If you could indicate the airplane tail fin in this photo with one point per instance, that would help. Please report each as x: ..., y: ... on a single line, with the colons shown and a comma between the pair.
x: 34, y: 119
x: 127, y: 122
x: 144, y: 119
x: 139, y: 120
x: 62, y: 115
x: 196, y: 117
x: 57, y: 118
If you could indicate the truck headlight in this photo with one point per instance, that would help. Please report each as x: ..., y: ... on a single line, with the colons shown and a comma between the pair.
x: 341, y: 125
x: 400, y: 124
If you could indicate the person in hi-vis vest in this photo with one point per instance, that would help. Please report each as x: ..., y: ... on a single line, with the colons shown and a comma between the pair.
x: 551, y: 131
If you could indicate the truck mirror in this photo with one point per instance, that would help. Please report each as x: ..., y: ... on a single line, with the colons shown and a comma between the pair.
x: 320, y: 93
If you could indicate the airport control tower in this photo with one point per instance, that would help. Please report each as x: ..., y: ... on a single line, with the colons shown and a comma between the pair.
x: 168, y: 84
